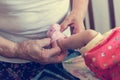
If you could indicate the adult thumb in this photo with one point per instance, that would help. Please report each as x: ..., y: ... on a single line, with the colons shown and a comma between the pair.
x: 64, y: 25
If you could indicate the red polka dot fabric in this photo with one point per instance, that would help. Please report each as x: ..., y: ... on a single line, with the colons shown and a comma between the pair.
x: 104, y: 59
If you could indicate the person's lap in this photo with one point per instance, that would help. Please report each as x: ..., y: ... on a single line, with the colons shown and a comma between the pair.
x: 35, y: 71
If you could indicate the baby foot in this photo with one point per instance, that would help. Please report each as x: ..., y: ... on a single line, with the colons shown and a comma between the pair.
x: 54, y: 32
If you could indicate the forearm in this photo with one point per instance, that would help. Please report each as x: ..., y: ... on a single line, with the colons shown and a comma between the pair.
x: 79, y: 7
x: 7, y: 47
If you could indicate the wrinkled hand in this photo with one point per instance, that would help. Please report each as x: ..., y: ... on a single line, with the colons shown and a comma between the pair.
x: 34, y: 50
x: 74, y: 21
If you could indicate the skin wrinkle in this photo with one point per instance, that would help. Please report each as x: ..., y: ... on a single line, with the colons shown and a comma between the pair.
x: 41, y: 57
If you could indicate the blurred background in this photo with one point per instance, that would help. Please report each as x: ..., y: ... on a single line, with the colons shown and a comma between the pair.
x: 103, y: 15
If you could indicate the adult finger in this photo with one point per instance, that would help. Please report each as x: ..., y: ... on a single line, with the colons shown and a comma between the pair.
x: 48, y: 55
x: 57, y: 58
x: 76, y: 28
x: 65, y: 24
x: 54, y: 51
x: 54, y: 44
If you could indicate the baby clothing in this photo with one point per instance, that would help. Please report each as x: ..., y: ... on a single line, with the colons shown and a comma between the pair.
x: 77, y: 67
x: 54, y: 32
x: 102, y: 56
x: 104, y: 59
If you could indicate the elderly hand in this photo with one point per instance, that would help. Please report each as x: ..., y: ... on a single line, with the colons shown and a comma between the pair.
x: 74, y: 21
x: 34, y: 50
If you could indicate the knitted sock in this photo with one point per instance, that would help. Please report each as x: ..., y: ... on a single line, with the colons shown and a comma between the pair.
x: 54, y: 32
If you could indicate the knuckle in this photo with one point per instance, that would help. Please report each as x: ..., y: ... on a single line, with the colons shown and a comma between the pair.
x: 43, y: 54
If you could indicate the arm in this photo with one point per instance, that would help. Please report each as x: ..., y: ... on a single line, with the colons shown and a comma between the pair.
x: 79, y: 7
x: 33, y: 50
x: 76, y: 17
x: 7, y: 47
